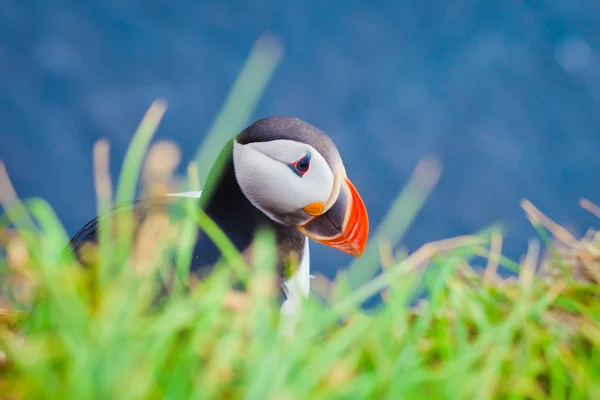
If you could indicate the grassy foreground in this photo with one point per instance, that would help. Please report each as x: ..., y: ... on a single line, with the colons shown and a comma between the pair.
x: 97, y: 333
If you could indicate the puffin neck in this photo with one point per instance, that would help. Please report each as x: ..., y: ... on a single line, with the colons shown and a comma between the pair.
x: 240, y: 219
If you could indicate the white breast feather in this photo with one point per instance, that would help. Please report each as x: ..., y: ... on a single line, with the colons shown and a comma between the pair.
x: 296, y: 288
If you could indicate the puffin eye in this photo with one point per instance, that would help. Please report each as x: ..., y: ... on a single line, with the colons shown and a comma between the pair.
x: 300, y: 167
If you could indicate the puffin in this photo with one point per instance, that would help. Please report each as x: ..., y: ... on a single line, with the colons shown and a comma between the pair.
x: 279, y: 173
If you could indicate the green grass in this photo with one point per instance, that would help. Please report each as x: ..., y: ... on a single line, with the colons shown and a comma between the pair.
x: 98, y: 333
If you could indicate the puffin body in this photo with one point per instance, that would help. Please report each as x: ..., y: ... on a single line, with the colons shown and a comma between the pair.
x: 280, y: 173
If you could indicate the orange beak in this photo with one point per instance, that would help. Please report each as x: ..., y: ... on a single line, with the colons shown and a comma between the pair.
x: 345, y: 225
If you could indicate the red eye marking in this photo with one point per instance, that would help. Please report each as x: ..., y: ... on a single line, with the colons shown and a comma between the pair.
x: 301, y: 166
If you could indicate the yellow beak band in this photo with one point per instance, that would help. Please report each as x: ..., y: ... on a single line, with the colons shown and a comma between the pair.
x: 314, y: 209
x: 318, y: 208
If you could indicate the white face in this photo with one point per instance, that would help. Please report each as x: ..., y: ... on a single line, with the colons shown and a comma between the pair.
x: 264, y: 174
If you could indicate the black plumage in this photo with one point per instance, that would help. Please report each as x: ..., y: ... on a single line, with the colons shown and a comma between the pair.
x: 226, y: 204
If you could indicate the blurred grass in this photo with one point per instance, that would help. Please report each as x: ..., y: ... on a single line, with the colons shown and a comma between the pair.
x: 476, y: 336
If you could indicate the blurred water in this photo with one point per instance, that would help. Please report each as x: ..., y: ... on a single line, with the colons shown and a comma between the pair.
x: 505, y: 93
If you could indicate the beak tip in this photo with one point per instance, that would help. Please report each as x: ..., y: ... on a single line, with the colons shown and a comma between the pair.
x: 358, y: 230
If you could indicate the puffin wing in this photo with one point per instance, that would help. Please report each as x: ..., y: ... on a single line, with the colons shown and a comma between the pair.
x: 295, y: 288
x: 140, y: 208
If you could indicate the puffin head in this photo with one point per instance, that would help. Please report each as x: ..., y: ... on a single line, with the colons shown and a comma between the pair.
x: 293, y: 172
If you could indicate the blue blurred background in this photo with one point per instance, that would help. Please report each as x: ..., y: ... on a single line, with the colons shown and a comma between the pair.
x: 506, y: 94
